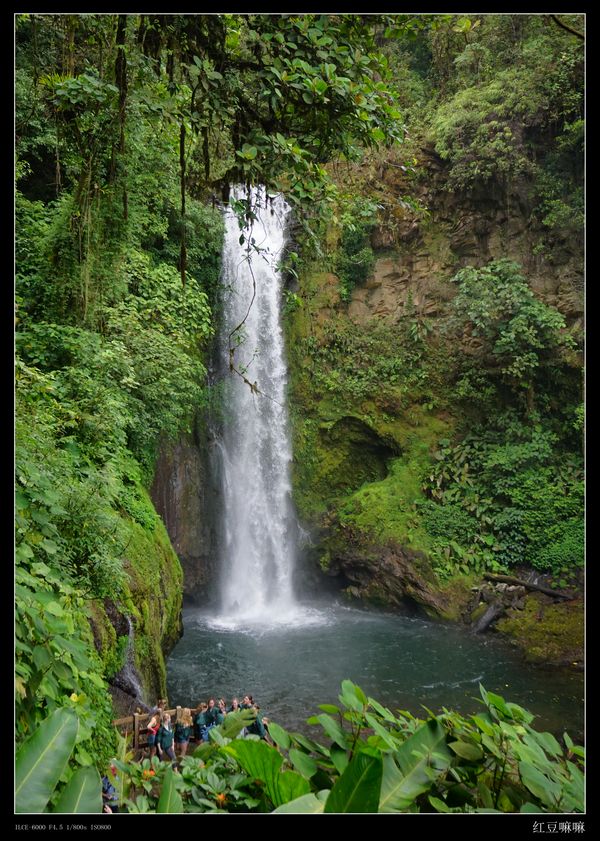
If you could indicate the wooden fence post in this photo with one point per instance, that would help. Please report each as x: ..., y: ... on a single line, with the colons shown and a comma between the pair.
x: 136, y: 731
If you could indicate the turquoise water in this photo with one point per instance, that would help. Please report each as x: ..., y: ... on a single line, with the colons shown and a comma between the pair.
x: 295, y: 664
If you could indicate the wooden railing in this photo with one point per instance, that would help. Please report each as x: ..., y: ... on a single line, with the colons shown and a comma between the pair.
x: 137, y: 725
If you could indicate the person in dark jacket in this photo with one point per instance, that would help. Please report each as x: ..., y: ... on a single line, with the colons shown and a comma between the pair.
x: 220, y: 713
x: 164, y: 738
x: 183, y: 731
x: 258, y: 725
x: 201, y: 732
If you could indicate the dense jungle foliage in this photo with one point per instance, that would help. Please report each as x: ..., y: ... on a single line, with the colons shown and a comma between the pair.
x: 129, y: 131
x: 374, y: 760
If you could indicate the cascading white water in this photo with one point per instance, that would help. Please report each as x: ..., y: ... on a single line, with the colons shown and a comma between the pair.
x: 257, y: 552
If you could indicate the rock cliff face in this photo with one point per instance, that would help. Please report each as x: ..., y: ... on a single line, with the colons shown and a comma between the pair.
x: 182, y: 495
x: 394, y: 576
x: 417, y: 257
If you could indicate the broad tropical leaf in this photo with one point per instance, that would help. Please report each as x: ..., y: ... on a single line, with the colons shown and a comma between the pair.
x: 280, y: 736
x: 42, y: 759
x: 417, y: 767
x: 308, y: 803
x: 539, y: 784
x: 82, y: 794
x: 263, y: 762
x: 303, y: 763
x: 235, y: 722
x: 170, y: 799
x: 357, y: 790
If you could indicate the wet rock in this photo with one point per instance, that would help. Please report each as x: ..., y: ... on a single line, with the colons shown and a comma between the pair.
x: 393, y: 576
x: 182, y: 496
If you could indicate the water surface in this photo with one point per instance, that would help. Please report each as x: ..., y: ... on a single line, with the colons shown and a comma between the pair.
x: 295, y: 663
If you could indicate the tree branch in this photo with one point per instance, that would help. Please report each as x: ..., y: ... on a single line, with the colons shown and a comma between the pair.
x: 510, y: 579
x: 567, y: 28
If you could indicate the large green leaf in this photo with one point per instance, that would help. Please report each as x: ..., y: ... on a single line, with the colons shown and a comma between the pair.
x: 357, y: 790
x: 303, y: 763
x: 466, y: 750
x: 339, y: 758
x: 235, y: 722
x: 539, y: 784
x: 418, y: 768
x: 290, y: 786
x: 42, y: 759
x: 547, y: 742
x: 353, y: 696
x: 170, y: 799
x: 383, y: 711
x: 83, y: 793
x: 263, y: 762
x: 336, y: 733
x: 381, y: 731
x: 573, y: 790
x: 280, y: 736
x: 307, y: 804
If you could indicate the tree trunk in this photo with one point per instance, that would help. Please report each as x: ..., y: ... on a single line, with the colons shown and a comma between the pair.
x: 509, y: 579
x: 492, y: 613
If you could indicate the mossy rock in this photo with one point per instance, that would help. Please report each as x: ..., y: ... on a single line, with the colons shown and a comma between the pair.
x: 151, y: 599
x: 546, y: 632
x: 391, y: 576
x: 458, y: 592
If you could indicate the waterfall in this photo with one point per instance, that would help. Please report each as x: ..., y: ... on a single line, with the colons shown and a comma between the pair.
x: 257, y: 521
x: 127, y: 678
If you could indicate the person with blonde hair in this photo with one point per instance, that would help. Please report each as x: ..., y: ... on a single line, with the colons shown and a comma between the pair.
x: 183, y: 730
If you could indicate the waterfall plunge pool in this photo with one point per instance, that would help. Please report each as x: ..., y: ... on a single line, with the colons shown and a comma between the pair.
x: 298, y: 662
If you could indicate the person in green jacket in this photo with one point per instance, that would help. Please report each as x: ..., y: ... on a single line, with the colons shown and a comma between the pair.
x: 220, y: 713
x: 258, y: 725
x: 183, y: 731
x: 200, y: 723
x: 164, y: 738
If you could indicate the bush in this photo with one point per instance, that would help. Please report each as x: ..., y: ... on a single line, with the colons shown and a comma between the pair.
x: 523, y: 492
x: 368, y: 759
x: 566, y: 552
x: 449, y: 522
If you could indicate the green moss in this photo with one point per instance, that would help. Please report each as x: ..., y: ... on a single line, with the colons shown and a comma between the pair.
x: 458, y: 592
x: 105, y: 637
x: 156, y: 585
x: 151, y: 597
x: 547, y: 633
x: 384, y: 510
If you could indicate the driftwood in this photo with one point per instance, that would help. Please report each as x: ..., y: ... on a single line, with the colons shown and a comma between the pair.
x: 509, y: 579
x: 493, y: 612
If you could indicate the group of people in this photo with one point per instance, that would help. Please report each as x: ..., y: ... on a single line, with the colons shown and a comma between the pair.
x: 171, y: 739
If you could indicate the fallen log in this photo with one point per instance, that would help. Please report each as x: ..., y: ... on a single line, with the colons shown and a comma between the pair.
x: 509, y: 579
x: 493, y: 612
